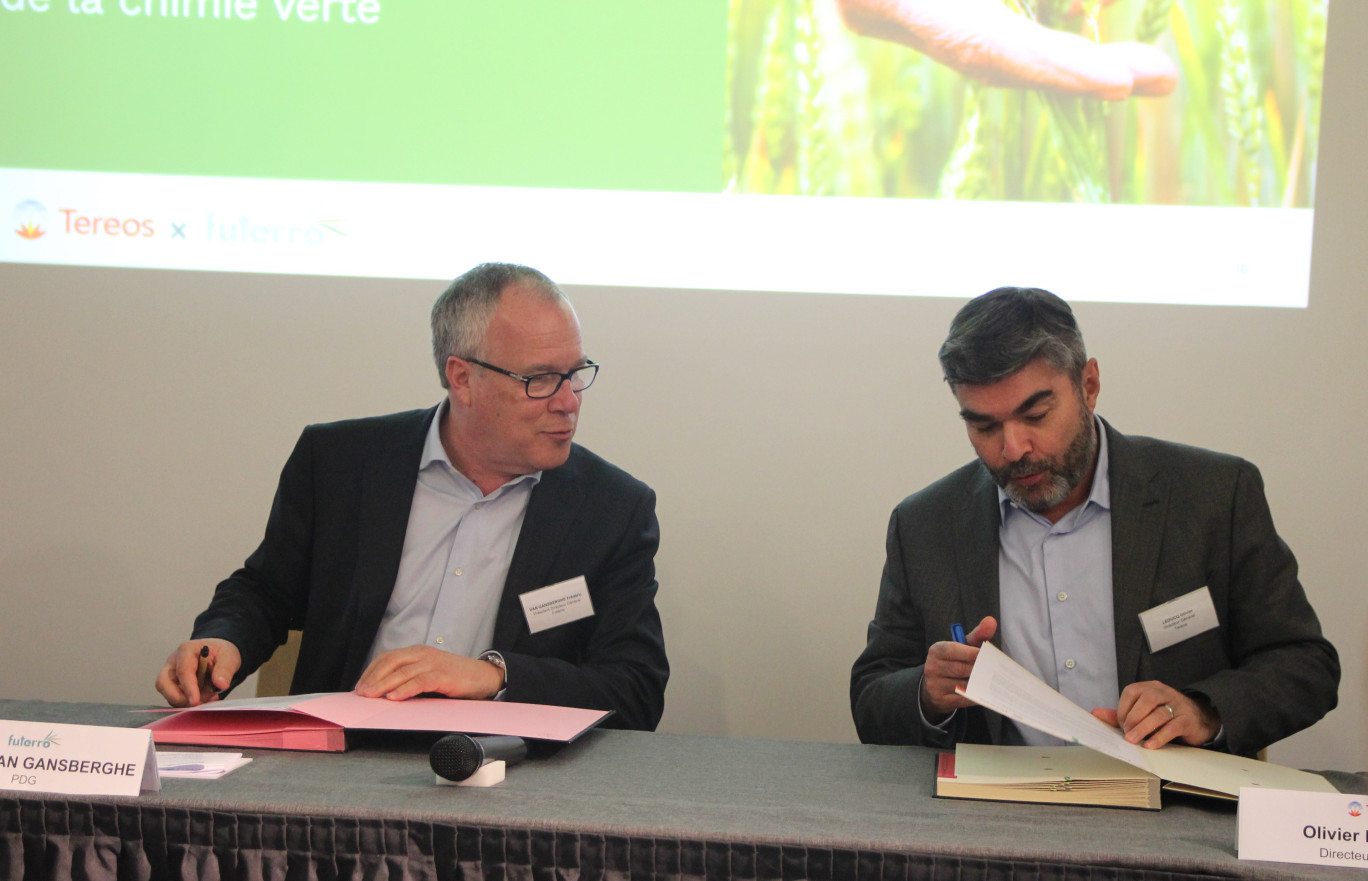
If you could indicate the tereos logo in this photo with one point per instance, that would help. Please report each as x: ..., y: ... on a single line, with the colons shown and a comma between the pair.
x: 29, y: 219
x: 1355, y: 808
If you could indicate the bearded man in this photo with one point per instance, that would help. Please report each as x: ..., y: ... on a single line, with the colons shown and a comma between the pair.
x: 1066, y: 531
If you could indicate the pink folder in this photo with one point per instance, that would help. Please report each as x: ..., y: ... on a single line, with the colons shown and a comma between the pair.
x: 319, y: 721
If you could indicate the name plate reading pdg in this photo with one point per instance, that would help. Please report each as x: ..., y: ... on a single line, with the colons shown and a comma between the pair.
x: 77, y: 759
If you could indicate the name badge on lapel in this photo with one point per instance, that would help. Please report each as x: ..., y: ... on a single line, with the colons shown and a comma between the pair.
x: 557, y: 604
x: 1178, y: 619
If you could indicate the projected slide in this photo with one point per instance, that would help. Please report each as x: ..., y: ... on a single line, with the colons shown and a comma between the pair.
x: 1137, y: 150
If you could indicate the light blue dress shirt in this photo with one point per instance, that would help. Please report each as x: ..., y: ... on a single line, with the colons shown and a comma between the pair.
x: 457, y: 550
x: 1055, y: 596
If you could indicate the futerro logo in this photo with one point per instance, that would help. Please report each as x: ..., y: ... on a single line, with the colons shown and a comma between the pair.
x: 30, y: 217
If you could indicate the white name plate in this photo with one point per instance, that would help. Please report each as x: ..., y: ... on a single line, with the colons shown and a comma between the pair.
x: 1313, y: 828
x: 77, y: 759
x: 557, y: 604
x: 1178, y: 619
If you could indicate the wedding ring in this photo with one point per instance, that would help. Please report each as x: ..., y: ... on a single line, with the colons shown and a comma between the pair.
x: 1171, y: 713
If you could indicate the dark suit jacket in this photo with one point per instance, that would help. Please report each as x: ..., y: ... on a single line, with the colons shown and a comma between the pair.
x: 1182, y: 518
x: 331, y: 552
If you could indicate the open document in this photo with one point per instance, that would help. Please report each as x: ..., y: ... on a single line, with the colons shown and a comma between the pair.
x: 1004, y: 686
x: 320, y: 721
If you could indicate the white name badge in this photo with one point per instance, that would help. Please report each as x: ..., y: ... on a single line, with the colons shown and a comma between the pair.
x: 1314, y: 828
x: 1179, y: 619
x: 77, y: 759
x: 557, y: 604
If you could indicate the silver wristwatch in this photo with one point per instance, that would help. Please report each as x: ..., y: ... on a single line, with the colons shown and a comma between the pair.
x: 497, y: 660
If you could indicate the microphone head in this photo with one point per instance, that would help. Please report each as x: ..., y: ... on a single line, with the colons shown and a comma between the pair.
x: 456, y: 756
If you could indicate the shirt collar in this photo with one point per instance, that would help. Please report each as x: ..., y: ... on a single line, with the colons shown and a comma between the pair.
x: 1099, y: 495
x: 434, y: 454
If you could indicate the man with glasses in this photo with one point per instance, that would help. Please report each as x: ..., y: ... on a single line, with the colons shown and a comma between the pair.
x: 1140, y: 578
x: 405, y: 546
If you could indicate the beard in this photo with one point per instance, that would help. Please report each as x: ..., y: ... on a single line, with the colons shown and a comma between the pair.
x: 1063, y: 473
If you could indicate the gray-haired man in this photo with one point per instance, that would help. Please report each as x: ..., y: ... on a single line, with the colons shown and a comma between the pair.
x: 401, y: 544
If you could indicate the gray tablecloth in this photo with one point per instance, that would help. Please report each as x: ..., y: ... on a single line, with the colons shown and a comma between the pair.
x: 613, y: 804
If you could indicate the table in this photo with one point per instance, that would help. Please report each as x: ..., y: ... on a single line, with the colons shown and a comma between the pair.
x: 614, y: 804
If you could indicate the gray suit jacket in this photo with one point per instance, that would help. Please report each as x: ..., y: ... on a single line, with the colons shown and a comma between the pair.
x: 1182, y: 518
x: 328, y: 562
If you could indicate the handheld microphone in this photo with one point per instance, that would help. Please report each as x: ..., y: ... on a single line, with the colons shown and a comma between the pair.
x: 458, y: 756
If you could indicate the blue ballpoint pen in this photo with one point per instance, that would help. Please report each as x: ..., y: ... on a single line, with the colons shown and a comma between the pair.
x: 957, y: 633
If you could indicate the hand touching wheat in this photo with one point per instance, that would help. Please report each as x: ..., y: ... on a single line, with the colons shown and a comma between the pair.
x: 986, y: 40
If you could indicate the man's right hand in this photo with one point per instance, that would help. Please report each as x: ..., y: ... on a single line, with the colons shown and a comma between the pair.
x: 400, y: 674
x: 180, y: 682
x: 948, y: 664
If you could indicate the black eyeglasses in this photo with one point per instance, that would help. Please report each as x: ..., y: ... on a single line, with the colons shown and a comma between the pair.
x: 545, y: 385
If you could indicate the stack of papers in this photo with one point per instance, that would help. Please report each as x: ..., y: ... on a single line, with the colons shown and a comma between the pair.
x: 1062, y: 775
x: 199, y: 766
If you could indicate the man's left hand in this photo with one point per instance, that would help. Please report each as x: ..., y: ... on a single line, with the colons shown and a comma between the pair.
x: 1152, y: 714
x: 404, y: 673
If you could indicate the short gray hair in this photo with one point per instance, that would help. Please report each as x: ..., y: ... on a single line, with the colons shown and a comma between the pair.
x: 461, y: 315
x: 1002, y: 331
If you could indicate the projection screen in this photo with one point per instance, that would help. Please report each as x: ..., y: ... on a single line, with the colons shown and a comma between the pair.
x: 751, y: 145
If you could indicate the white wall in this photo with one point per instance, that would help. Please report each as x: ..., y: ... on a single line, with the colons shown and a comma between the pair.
x: 146, y: 416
